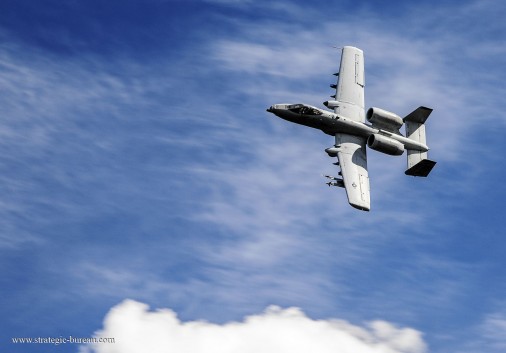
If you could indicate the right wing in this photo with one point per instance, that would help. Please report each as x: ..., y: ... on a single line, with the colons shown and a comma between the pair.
x: 351, y: 152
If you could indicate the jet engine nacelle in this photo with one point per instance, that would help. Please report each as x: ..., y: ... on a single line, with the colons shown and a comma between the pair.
x: 383, y: 119
x: 385, y: 144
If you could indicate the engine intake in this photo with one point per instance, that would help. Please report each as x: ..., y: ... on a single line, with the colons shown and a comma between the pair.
x: 385, y: 144
x: 383, y: 119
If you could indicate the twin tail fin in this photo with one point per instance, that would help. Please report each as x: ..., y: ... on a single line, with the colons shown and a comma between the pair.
x: 418, y: 163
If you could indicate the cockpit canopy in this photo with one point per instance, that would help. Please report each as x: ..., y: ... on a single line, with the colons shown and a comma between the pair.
x: 303, y: 109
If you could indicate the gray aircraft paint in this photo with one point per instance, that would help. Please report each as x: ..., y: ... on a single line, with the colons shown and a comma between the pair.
x: 347, y: 123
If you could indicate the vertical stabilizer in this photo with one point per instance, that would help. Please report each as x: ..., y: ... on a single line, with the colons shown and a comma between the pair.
x: 350, y: 85
x: 418, y: 164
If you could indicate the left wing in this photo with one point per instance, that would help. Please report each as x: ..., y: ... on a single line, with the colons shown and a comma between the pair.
x: 351, y: 152
x: 350, y: 85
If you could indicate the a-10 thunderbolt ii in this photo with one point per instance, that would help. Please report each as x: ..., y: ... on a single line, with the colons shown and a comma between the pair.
x: 348, y: 124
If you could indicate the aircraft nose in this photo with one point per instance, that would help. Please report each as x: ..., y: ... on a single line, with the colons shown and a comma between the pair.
x: 270, y: 109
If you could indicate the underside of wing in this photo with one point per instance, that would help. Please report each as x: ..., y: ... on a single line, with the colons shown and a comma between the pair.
x: 350, y: 85
x: 351, y: 151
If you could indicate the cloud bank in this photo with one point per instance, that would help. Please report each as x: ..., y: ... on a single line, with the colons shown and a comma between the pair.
x: 276, y: 330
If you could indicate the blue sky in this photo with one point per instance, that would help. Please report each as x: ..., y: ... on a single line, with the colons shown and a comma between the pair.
x: 138, y: 168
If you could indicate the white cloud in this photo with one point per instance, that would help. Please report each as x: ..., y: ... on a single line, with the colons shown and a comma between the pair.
x: 136, y: 329
x: 275, y: 203
x: 260, y: 179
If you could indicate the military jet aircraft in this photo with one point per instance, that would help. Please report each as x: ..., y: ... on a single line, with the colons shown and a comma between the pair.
x: 347, y: 123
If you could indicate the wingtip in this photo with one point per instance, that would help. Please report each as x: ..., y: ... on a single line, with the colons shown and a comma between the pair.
x: 361, y: 207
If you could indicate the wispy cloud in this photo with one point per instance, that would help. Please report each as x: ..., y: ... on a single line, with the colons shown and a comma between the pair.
x: 178, y: 188
x: 272, y: 203
x: 494, y: 331
x: 70, y: 128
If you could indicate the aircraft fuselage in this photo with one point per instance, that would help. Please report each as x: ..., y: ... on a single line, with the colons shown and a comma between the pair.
x: 332, y: 123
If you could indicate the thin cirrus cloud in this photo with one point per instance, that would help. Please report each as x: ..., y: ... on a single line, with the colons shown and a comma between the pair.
x: 227, y: 202
x: 494, y: 330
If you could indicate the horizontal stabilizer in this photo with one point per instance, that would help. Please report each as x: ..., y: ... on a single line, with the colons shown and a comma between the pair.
x: 421, y: 169
x: 419, y: 115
